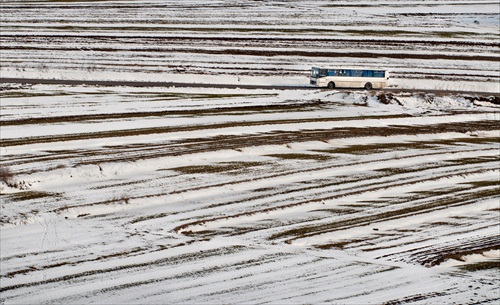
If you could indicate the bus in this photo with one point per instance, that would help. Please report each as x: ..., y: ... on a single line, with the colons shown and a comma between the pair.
x: 349, y: 78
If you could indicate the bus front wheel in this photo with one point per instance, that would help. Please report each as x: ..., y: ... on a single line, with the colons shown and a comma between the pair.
x: 368, y: 86
x: 331, y: 85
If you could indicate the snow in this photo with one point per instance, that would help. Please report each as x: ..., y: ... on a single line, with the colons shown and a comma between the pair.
x: 123, y: 195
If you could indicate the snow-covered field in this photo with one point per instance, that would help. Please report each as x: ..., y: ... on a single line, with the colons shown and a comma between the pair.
x: 119, y: 195
x: 436, y: 44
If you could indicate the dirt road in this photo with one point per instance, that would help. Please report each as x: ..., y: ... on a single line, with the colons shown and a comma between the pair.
x: 222, y: 86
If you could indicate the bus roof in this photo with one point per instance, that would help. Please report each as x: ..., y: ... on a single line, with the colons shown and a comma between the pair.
x: 350, y: 68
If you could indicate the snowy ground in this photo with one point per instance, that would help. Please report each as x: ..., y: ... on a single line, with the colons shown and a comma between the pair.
x: 449, y: 45
x: 123, y: 195
x: 116, y: 195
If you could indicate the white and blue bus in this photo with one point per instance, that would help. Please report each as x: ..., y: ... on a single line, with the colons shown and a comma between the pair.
x: 349, y: 78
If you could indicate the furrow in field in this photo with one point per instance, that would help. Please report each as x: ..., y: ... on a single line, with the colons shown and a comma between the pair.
x: 193, y: 145
x: 260, y: 167
x: 122, y: 266
x: 274, y: 138
x: 435, y: 256
x: 236, y: 277
x: 306, y: 227
x: 295, y: 188
x: 274, y: 53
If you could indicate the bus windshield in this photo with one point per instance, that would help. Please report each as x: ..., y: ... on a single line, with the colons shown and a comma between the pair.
x: 315, y: 72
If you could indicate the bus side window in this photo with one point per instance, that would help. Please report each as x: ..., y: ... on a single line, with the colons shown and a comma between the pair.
x: 367, y: 73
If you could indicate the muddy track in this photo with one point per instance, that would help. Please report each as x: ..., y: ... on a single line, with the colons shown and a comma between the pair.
x: 167, y: 39
x: 342, y: 186
x: 272, y: 138
x: 203, y: 145
x: 268, y: 53
x: 408, y: 208
x: 436, y: 256
x: 488, y: 96
x: 278, y: 108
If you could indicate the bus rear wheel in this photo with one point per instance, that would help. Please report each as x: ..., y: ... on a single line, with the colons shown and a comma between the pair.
x: 331, y: 85
x: 368, y: 86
